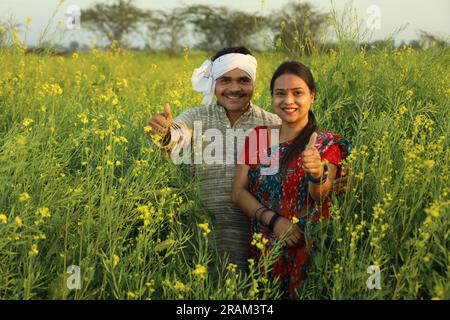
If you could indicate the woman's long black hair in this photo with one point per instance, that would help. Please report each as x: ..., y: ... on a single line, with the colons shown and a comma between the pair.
x: 300, y: 141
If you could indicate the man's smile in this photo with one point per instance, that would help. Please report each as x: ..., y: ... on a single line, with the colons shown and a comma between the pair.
x: 234, y: 96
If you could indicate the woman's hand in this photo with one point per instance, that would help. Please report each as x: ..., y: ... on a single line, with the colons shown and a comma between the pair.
x: 292, y: 232
x: 312, y: 162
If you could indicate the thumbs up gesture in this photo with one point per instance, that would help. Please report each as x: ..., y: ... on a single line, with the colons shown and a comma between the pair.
x: 161, y: 122
x: 312, y: 162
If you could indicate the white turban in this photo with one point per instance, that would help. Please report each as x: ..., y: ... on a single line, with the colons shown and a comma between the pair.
x: 204, y: 78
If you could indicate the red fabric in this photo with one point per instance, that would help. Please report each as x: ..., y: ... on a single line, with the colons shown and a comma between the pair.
x: 285, y: 196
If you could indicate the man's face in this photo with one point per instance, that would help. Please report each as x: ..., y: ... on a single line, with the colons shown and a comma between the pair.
x: 234, y: 90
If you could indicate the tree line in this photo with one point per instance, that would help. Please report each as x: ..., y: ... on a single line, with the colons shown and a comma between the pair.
x: 295, y: 27
x: 206, y: 27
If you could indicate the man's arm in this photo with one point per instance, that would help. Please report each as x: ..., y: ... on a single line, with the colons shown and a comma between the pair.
x: 167, y: 133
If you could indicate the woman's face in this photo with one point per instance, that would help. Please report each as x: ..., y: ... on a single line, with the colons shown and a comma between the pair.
x: 291, y: 98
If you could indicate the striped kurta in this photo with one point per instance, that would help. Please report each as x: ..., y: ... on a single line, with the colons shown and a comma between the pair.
x: 231, y: 226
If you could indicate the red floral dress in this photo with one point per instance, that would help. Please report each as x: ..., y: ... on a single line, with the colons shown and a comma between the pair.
x: 287, y: 196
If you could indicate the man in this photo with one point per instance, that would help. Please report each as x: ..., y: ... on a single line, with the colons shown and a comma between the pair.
x: 230, y: 77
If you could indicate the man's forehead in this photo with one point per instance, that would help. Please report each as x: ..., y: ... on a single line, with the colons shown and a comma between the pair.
x: 235, y: 73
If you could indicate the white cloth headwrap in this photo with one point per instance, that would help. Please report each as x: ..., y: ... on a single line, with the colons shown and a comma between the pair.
x: 204, y: 78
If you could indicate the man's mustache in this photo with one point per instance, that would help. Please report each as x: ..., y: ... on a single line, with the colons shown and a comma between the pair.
x: 235, y: 94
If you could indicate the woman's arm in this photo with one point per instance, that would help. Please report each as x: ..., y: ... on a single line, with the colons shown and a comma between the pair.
x: 314, y: 166
x: 240, y: 196
x: 320, y: 192
x: 249, y: 204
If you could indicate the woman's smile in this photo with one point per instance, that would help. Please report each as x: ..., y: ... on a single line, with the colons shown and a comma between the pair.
x: 289, y: 110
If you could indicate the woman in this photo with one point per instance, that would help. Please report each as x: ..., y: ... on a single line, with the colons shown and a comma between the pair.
x: 280, y: 204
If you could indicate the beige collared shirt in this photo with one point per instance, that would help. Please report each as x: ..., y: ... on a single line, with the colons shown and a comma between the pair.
x: 216, y: 173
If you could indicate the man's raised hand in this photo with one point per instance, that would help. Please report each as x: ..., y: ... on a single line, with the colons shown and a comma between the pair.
x: 161, y: 122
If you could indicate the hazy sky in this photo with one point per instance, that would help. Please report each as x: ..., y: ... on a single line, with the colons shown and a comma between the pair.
x: 430, y: 15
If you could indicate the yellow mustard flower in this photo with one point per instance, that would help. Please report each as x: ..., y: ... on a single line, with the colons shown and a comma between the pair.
x: 24, y: 197
x: 27, y: 122
x: 18, y: 221
x: 3, y: 219
x: 43, y: 212
x: 205, y: 228
x: 232, y: 267
x: 199, y: 271
x: 34, y: 250
x: 179, y: 286
x: 116, y: 260
x: 429, y: 163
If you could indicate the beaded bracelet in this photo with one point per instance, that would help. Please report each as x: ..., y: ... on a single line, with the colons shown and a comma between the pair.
x: 320, y: 180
